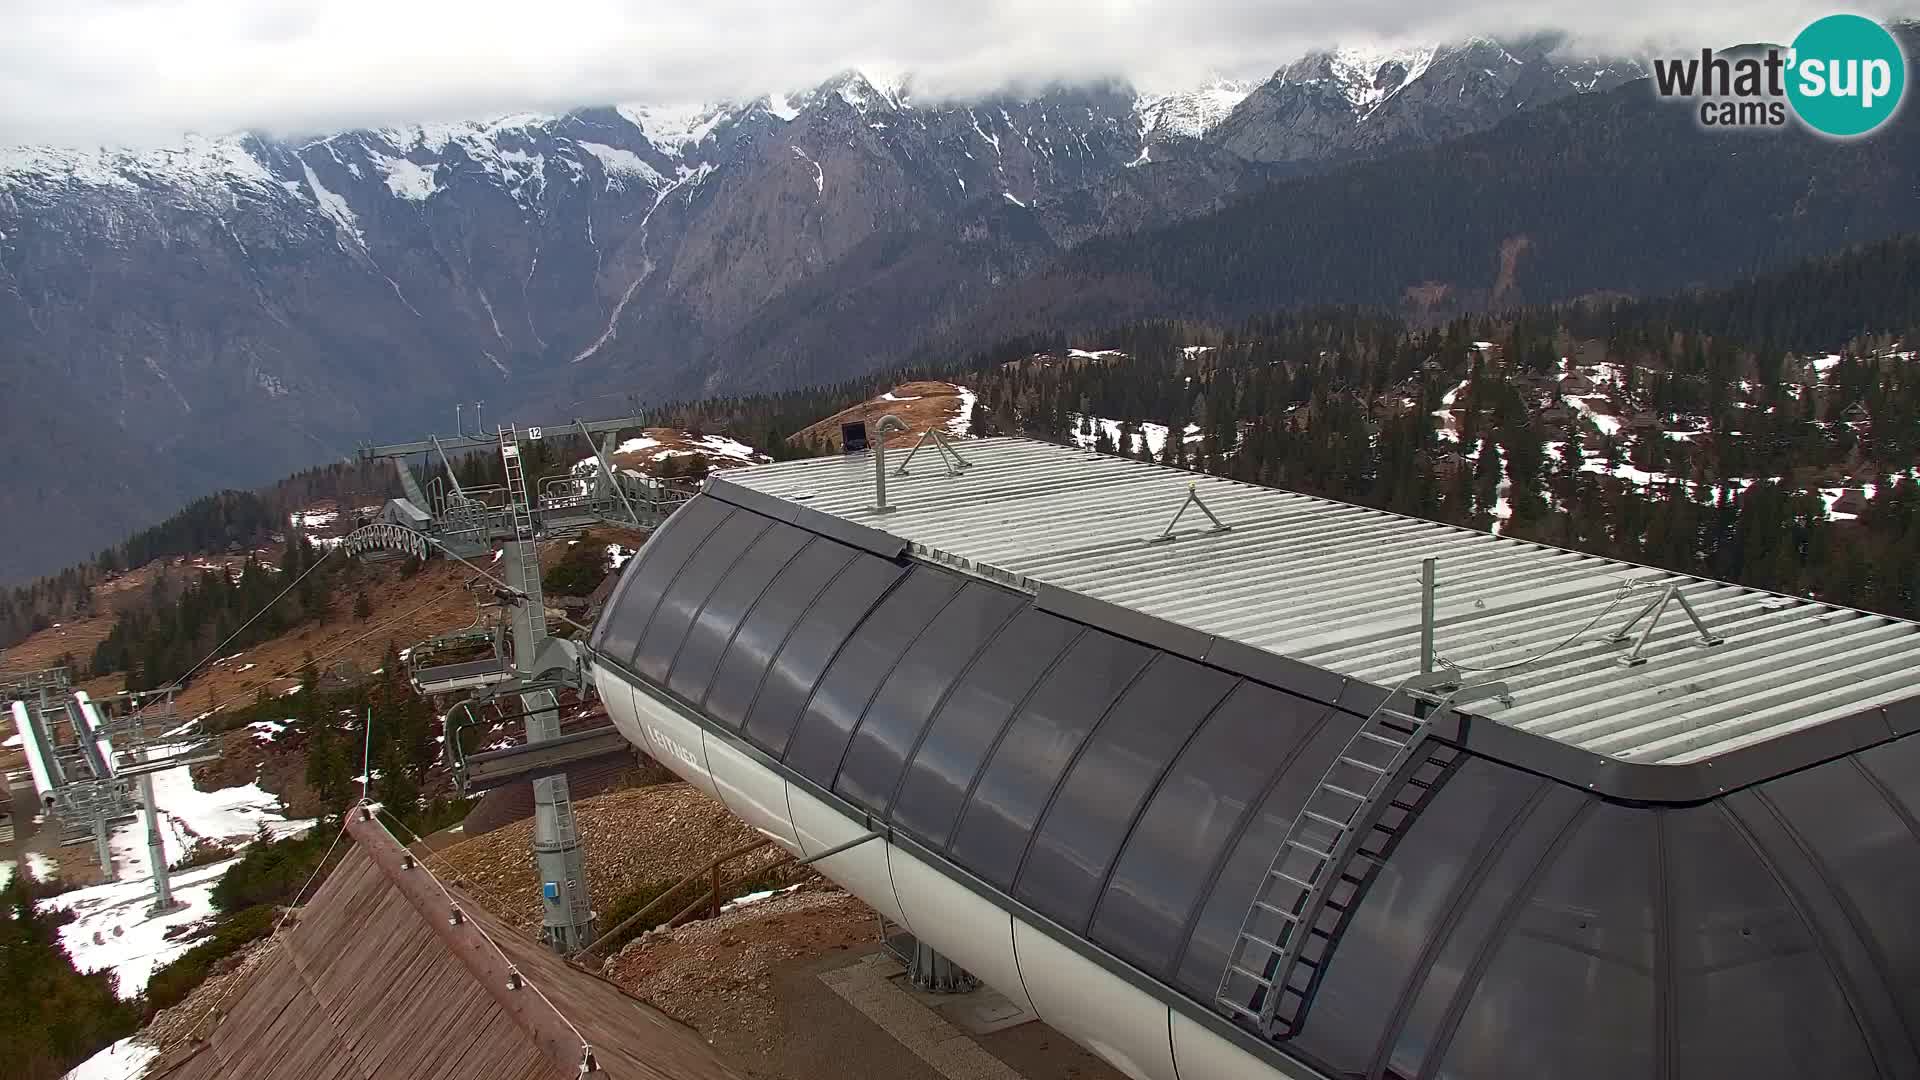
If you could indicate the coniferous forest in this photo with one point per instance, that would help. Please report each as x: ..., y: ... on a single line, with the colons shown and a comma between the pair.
x: 1687, y: 453
x: 1765, y: 434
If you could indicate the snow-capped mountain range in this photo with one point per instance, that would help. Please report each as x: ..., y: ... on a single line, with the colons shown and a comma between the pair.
x: 232, y: 308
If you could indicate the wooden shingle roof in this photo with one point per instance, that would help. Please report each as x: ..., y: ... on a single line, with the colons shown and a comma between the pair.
x: 377, y: 981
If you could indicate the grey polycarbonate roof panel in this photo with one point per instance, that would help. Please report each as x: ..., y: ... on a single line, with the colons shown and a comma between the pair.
x: 1569, y: 991
x: 743, y: 667
x: 815, y: 640
x: 1861, y: 842
x: 865, y: 660
x: 653, y: 571
x: 1103, y: 791
x: 681, y: 603
x: 968, y: 725
x: 900, y: 712
x: 1167, y: 864
x: 1337, y: 586
x: 719, y: 618
x: 1412, y: 903
x: 1754, y: 992
x: 1036, y: 750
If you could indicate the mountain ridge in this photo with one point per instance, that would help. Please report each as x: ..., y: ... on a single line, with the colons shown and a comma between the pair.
x: 260, y: 296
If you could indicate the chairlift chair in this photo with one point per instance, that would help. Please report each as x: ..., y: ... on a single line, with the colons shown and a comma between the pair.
x: 466, y: 659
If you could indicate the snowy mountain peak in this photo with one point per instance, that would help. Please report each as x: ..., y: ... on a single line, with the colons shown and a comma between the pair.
x: 435, y: 138
x: 1370, y: 76
x: 1190, y: 114
x: 197, y: 162
x: 1364, y: 76
x: 868, y: 91
x: 676, y: 129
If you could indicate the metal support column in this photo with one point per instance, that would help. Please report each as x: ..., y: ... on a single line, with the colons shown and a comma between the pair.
x: 1427, y: 567
x: 103, y: 844
x: 163, y: 900
x: 567, y: 913
x: 933, y: 972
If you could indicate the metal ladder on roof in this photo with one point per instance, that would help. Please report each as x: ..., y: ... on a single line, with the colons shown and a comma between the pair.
x: 1270, y: 977
x: 528, y: 552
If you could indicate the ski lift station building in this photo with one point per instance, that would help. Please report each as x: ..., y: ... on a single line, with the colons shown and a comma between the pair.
x: 1100, y: 763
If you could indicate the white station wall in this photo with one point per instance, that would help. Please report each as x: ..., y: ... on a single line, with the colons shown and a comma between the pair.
x: 1103, y: 1012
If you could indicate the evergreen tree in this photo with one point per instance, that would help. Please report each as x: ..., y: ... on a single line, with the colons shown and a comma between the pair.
x: 51, y: 1016
x: 1486, y: 483
x: 328, y: 773
x: 396, y: 788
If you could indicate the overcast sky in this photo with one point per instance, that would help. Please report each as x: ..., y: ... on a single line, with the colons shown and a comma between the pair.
x: 87, y: 72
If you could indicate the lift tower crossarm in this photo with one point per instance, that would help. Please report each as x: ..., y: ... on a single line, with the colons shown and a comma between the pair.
x: 606, y: 471
x: 452, y: 477
x: 453, y: 443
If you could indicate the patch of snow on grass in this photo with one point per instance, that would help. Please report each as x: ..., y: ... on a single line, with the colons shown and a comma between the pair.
x: 40, y: 868
x: 891, y: 396
x: 124, y: 1060
x: 958, y: 426
x: 1154, y: 434
x: 618, y: 555
x: 311, y: 519
x: 266, y: 730
x: 1608, y: 425
x: 234, y: 814
x: 111, y: 929
x: 1093, y: 354
x: 721, y: 446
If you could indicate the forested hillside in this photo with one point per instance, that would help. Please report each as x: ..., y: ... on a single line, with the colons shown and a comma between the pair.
x: 1759, y: 433
x: 221, y: 523
x: 1609, y: 193
x: 1700, y: 453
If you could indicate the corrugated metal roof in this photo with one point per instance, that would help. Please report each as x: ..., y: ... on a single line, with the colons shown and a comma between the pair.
x: 1338, y: 586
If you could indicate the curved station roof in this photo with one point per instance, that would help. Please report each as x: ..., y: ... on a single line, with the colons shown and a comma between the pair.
x: 1700, y: 866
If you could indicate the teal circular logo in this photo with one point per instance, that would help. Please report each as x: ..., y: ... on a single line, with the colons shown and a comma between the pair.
x: 1847, y: 75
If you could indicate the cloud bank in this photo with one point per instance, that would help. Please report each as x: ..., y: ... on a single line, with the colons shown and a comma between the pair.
x: 94, y: 72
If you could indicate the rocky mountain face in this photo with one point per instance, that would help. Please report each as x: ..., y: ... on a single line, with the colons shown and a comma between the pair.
x: 172, y: 321
x: 1343, y: 105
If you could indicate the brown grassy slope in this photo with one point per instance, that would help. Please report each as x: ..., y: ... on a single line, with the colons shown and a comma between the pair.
x: 933, y: 405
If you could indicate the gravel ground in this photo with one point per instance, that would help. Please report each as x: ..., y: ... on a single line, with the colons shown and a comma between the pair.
x: 715, y: 974
x: 632, y: 838
x: 171, y: 1027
